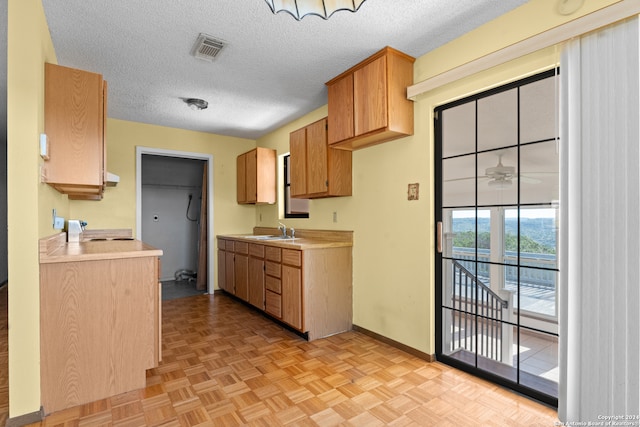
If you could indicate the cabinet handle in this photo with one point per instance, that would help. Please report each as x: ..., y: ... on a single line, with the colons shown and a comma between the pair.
x: 439, y: 237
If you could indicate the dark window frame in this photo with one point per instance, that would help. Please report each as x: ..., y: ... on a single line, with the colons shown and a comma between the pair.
x: 287, y: 192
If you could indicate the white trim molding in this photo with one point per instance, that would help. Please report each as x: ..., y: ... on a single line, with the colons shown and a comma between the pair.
x: 580, y: 26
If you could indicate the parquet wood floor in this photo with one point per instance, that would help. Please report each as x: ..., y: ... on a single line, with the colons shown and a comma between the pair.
x: 226, y: 365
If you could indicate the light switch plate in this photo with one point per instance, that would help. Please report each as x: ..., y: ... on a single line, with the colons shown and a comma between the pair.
x: 58, y: 223
x: 44, y: 146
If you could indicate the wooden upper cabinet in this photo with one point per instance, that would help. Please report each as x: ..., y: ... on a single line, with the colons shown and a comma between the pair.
x: 298, y: 162
x: 317, y: 164
x: 251, y: 180
x: 256, y: 176
x: 75, y: 116
x: 370, y: 97
x: 368, y: 103
x: 317, y: 170
x: 340, y: 95
x: 241, y: 171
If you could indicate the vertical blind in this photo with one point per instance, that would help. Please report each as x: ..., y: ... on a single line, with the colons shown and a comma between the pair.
x: 600, y: 241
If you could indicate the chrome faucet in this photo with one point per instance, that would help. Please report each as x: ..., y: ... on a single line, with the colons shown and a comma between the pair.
x: 283, y: 228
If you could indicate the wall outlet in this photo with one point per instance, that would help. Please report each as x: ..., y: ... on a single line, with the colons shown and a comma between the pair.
x: 58, y: 223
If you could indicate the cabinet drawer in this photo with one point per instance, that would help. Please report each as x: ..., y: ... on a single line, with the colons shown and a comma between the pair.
x: 228, y: 245
x: 273, y: 254
x: 256, y: 250
x: 241, y: 248
x: 273, y: 304
x: 273, y: 284
x: 292, y: 257
x: 272, y: 268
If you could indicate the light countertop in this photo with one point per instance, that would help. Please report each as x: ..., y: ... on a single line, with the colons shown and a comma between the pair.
x: 305, y: 239
x: 56, y: 249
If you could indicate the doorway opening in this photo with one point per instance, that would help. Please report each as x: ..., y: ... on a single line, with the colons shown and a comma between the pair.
x: 497, y: 207
x: 174, y: 212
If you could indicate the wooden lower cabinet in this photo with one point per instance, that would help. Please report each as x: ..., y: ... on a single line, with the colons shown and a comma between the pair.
x: 292, y: 296
x: 310, y: 290
x: 99, y: 328
x: 256, y: 276
x: 273, y: 303
x: 241, y: 267
x: 230, y: 276
x: 240, y: 260
x: 273, y: 283
x: 222, y: 263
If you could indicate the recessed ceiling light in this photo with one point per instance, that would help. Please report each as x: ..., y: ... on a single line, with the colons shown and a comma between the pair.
x: 196, y: 104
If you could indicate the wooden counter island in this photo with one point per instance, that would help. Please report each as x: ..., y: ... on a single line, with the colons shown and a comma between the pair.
x: 100, y: 319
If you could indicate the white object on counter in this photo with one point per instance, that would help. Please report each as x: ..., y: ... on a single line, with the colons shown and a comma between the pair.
x: 75, y: 227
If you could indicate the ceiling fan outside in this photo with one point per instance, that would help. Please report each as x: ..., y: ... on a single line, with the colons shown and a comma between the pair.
x: 501, y: 176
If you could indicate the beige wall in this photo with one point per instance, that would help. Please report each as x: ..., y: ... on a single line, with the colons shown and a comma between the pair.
x: 120, y: 201
x: 393, y: 252
x: 29, y: 46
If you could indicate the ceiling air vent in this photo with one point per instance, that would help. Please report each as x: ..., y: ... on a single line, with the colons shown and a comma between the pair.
x: 207, y: 47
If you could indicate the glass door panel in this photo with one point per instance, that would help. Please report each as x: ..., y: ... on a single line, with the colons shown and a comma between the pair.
x: 497, y: 174
x: 539, y: 173
x: 458, y: 127
x: 538, y: 111
x: 458, y: 179
x: 497, y: 120
x: 497, y: 202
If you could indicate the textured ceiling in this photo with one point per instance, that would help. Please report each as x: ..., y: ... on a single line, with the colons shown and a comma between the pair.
x: 272, y: 70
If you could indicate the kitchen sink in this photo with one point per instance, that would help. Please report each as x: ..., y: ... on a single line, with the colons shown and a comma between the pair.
x: 267, y: 237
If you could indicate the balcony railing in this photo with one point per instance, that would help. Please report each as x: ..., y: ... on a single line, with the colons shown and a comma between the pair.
x: 477, y: 317
x: 537, y: 281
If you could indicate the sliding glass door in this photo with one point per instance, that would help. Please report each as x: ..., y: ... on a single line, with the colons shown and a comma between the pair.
x: 497, y: 171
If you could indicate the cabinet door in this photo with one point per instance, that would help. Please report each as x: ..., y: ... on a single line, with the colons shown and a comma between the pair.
x: 256, y: 282
x: 341, y: 122
x: 222, y: 271
x: 298, y: 162
x: 292, y: 296
x: 230, y: 273
x: 241, y: 178
x: 317, y: 172
x: 370, y: 97
x: 273, y: 304
x: 252, y: 176
x: 241, y: 264
x: 73, y: 122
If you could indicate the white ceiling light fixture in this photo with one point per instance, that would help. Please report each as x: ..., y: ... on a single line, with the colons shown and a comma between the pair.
x: 322, y: 8
x: 196, y: 104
